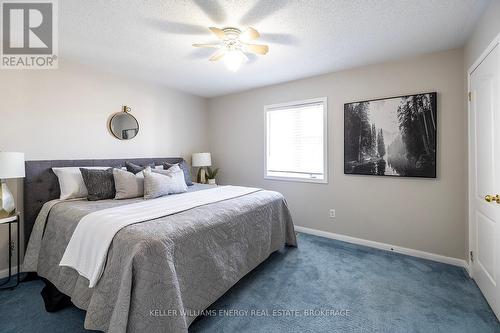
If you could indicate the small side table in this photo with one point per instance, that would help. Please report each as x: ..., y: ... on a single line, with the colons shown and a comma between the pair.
x: 10, y: 220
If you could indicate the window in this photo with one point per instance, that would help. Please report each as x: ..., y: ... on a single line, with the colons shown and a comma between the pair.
x: 296, y: 141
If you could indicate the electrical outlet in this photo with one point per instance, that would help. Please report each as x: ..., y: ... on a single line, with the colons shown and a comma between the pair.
x: 332, y: 213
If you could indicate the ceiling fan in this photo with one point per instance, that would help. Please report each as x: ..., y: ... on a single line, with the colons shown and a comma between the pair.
x: 233, y: 46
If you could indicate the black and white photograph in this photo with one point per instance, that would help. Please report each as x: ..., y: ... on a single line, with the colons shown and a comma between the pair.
x: 391, y: 137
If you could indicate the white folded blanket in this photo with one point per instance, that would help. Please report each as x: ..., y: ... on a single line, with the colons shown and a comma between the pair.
x: 87, y: 250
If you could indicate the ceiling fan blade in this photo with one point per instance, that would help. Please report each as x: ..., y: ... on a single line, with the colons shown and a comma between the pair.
x: 218, y: 32
x: 255, y: 48
x: 214, y: 46
x: 250, y: 34
x: 217, y: 55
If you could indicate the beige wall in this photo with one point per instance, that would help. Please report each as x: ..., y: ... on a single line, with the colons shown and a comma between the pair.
x: 422, y: 214
x: 63, y: 114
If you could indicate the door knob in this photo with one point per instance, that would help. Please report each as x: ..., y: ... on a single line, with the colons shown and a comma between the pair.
x: 492, y: 198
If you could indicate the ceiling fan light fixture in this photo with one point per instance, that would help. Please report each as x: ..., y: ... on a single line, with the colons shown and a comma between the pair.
x: 233, y: 45
x: 233, y: 59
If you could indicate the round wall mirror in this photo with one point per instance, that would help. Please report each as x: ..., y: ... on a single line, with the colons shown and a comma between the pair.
x: 123, y: 125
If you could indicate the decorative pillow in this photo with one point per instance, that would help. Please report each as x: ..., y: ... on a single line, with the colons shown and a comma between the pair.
x: 100, y: 183
x: 71, y: 182
x: 178, y: 182
x: 134, y: 168
x: 155, y: 185
x: 158, y: 183
x: 127, y: 184
x: 184, y: 167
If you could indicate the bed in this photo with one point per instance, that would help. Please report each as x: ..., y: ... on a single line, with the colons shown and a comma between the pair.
x: 159, y: 274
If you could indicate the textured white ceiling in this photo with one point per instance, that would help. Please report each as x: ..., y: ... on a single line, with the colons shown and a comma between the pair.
x: 151, y: 39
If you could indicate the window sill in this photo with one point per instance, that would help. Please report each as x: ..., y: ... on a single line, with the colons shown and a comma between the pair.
x: 298, y: 180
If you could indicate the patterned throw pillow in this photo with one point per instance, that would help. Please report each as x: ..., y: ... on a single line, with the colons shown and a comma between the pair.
x: 100, y: 183
x: 185, y: 169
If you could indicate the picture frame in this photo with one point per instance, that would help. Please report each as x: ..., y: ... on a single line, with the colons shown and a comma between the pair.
x: 393, y: 136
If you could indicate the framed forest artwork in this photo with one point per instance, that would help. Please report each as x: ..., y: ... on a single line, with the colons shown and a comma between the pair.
x: 392, y: 136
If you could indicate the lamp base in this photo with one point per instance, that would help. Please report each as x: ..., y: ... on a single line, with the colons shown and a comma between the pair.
x: 7, y: 204
x: 202, y: 179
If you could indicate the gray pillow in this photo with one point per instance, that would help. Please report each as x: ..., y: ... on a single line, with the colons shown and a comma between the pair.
x: 134, y: 168
x: 127, y: 184
x: 155, y: 185
x: 184, y: 167
x: 100, y: 183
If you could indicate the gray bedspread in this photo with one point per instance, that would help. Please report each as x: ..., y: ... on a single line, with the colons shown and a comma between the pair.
x: 161, y: 273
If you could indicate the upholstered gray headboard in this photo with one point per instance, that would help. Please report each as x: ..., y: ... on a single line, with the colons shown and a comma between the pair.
x: 41, y: 184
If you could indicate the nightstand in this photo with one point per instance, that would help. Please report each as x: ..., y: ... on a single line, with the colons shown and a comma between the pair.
x: 10, y: 220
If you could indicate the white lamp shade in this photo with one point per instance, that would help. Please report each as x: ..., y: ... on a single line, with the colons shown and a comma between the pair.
x: 11, y: 165
x: 201, y: 159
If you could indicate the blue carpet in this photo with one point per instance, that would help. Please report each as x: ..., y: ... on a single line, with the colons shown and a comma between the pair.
x: 322, y: 286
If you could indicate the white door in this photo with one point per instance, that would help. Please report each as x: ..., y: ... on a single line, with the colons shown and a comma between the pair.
x: 484, y: 184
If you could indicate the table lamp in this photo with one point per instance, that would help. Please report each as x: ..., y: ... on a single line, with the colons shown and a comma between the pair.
x: 201, y: 160
x: 11, y: 166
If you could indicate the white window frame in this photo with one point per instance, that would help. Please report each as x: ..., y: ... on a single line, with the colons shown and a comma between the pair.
x: 271, y: 107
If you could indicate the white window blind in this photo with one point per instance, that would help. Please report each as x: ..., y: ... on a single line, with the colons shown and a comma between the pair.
x: 296, y: 141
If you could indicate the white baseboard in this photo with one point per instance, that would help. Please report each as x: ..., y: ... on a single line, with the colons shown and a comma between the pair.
x: 5, y: 272
x: 386, y: 247
x: 467, y: 268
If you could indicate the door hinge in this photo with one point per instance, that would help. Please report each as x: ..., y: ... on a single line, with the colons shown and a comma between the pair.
x: 471, y: 256
x: 470, y: 96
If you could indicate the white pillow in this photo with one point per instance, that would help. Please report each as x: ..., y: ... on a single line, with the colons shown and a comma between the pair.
x: 158, y: 183
x: 71, y: 182
x: 177, y: 183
